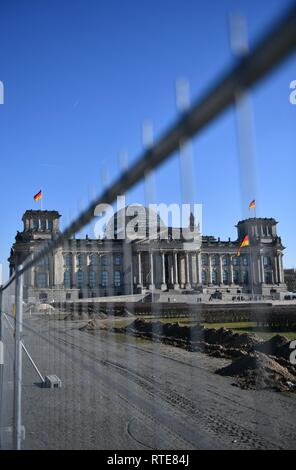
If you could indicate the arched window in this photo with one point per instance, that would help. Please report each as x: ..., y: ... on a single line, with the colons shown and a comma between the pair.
x: 117, y: 278
x: 104, y: 278
x: 80, y: 260
x: 225, y: 276
x: 67, y: 279
x: 268, y: 277
x: 214, y: 260
x: 245, y: 277
x: 204, y: 277
x: 117, y: 260
x: 204, y: 260
x: 91, y: 279
x: 224, y: 261
x: 68, y: 259
x: 235, y: 261
x: 214, y: 277
x: 104, y: 260
x: 79, y: 279
x: 44, y: 262
x: 42, y: 280
x: 236, y: 277
x: 92, y: 260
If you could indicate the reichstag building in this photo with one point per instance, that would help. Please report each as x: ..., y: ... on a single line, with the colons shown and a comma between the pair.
x: 204, y: 265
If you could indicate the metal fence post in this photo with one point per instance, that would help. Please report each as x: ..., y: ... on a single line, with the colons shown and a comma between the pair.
x: 17, y: 431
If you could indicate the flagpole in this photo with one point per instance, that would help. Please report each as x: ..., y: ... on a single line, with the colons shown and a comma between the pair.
x: 41, y: 200
x: 251, y: 268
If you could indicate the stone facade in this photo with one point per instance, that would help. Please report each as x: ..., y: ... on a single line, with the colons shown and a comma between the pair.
x: 89, y: 268
x: 290, y: 279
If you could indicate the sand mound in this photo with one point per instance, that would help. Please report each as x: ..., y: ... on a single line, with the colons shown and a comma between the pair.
x: 259, y: 371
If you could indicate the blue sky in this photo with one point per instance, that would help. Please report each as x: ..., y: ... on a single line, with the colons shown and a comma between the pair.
x: 81, y: 76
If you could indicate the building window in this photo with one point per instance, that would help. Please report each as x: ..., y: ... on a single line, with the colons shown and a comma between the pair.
x: 266, y: 261
x: 268, y: 277
x: 214, y: 260
x: 245, y: 261
x: 43, y: 225
x: 68, y: 296
x: 235, y: 261
x: 36, y: 224
x: 204, y: 277
x: 92, y: 260
x: 42, y: 280
x: 68, y: 259
x: 104, y: 278
x: 224, y: 261
x: 80, y: 261
x: 214, y: 277
x: 44, y: 262
x: 79, y: 279
x: 245, y: 277
x: 117, y: 278
x: 117, y: 260
x: 204, y: 260
x: 236, y: 277
x: 225, y: 277
x: 43, y: 296
x: 104, y: 260
x: 91, y: 279
x: 50, y: 225
x: 67, y: 279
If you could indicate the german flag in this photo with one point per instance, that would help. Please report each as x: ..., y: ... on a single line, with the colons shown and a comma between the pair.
x: 245, y: 242
x: 252, y: 204
x: 38, y: 196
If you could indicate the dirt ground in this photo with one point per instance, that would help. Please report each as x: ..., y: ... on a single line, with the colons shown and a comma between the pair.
x: 122, y: 392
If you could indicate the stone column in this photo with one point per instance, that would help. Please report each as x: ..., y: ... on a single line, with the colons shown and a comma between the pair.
x: 74, y: 268
x: 152, y: 286
x: 199, y: 268
x: 262, y: 269
x: 176, y: 271
x: 209, y: 269
x: 231, y: 269
x: 221, y: 268
x: 276, y: 271
x: 140, y: 268
x: 188, y: 285
x: 280, y: 262
x: 164, y: 284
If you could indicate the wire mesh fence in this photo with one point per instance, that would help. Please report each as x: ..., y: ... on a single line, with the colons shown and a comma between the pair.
x: 79, y: 367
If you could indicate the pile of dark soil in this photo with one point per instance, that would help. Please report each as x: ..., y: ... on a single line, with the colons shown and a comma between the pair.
x: 256, y: 363
x: 219, y: 343
x: 259, y: 371
x: 278, y: 346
